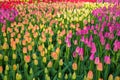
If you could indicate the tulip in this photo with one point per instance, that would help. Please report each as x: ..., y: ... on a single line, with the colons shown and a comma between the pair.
x: 49, y: 65
x: 92, y: 56
x: 90, y: 75
x: 14, y: 67
x: 107, y: 59
x: 100, y: 67
x: 44, y: 59
x: 74, y: 66
x: 97, y: 60
x: 5, y: 58
x: 1, y: 69
x: 27, y: 58
x: 34, y: 56
x: 110, y: 77
x: 61, y: 62
x: 107, y: 47
x: 117, y: 78
x: 35, y: 62
x: 74, y: 76
x: 66, y: 76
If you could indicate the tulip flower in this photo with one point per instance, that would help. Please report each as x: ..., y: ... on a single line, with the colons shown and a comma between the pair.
x: 107, y: 59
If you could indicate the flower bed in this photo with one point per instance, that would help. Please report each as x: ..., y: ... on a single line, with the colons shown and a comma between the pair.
x: 75, y: 41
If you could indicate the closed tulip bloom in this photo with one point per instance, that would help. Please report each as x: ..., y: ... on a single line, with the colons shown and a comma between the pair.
x: 74, y: 76
x: 117, y: 78
x: 35, y: 62
x: 54, y: 55
x: 100, y: 67
x: 74, y: 66
x: 97, y: 60
x: 5, y: 46
x: 24, y: 50
x: 1, y: 69
x: 107, y: 47
x: 107, y: 59
x: 92, y: 56
x: 14, y: 67
x: 27, y: 58
x: 110, y: 77
x: 90, y: 75
x: 49, y: 65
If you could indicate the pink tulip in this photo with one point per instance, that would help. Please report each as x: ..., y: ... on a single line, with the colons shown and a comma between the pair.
x: 107, y: 59
x: 97, y: 60
x: 92, y: 56
x: 107, y: 47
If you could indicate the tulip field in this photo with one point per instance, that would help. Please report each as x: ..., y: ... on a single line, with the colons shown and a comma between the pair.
x: 60, y: 41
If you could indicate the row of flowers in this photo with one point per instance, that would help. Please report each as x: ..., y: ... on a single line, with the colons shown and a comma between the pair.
x: 75, y: 41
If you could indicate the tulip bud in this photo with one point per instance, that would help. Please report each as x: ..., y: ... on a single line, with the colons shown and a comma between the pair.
x: 45, y: 50
x: 74, y: 66
x: 34, y: 56
x: 47, y: 77
x: 49, y: 47
x: 44, y: 60
x: 1, y: 56
x: 31, y: 71
x: 1, y: 69
x: 5, y: 78
x: 18, y: 76
x: 5, y: 46
x: 49, y: 65
x: 14, y: 56
x: 4, y: 34
x: 7, y: 67
x: 26, y: 65
x: 27, y: 58
x: 6, y: 72
x: 66, y: 76
x: 61, y: 62
x: 14, y: 67
x: 117, y: 78
x: 35, y: 62
x: 99, y: 67
x: 85, y: 78
x: 90, y: 75
x: 6, y: 58
x: 74, y: 76
x: 59, y: 75
x: 110, y: 77
x: 46, y: 70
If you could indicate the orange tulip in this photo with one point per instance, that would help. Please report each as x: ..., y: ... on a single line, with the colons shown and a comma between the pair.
x: 1, y: 69
x: 27, y: 58
x: 90, y: 75
x: 99, y: 67
x: 74, y: 66
x: 54, y: 55
x: 24, y: 50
